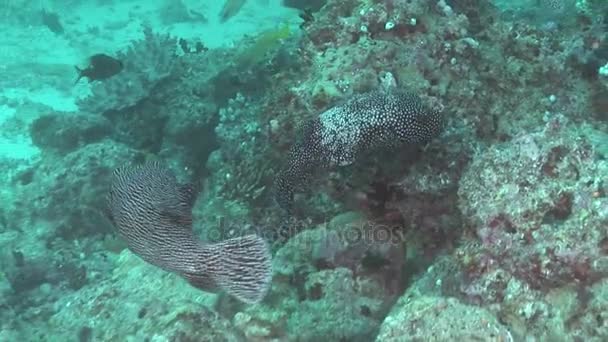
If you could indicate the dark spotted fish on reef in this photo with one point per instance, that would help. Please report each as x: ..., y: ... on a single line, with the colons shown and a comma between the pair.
x: 100, y: 67
x: 341, y: 134
x: 153, y: 213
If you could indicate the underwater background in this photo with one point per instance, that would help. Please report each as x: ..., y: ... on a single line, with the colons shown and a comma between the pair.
x: 418, y: 170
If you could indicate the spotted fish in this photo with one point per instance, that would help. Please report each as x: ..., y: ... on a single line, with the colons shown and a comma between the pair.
x: 153, y: 213
x: 338, y: 136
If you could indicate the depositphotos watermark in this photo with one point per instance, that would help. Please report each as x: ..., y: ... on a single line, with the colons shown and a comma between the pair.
x: 366, y: 232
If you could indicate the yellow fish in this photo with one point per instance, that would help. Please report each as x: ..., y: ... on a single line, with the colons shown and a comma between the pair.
x: 265, y: 42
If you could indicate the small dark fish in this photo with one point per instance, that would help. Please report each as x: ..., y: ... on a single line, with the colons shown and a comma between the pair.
x: 153, y: 213
x: 313, y: 5
x: 100, y: 67
x: 230, y: 9
x: 51, y: 20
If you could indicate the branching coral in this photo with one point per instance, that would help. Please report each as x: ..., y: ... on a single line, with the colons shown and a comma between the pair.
x: 243, y: 172
x: 146, y: 63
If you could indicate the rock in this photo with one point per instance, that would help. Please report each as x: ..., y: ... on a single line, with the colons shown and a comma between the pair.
x: 64, y: 132
x: 440, y: 319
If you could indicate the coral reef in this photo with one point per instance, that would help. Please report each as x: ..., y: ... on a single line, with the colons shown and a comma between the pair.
x: 82, y: 177
x: 146, y: 63
x: 495, y: 230
x: 136, y: 293
x: 542, y: 221
x: 440, y: 319
x: 329, y: 282
x: 243, y: 140
x: 64, y: 132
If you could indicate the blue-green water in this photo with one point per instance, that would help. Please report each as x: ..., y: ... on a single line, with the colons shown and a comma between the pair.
x: 284, y: 170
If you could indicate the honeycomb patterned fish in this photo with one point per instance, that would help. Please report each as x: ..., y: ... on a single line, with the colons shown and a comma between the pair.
x: 341, y: 134
x: 153, y: 213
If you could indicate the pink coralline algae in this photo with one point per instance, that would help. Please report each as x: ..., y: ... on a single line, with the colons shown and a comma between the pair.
x: 538, y: 206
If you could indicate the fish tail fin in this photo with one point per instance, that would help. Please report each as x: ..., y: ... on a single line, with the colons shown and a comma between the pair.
x: 202, y: 281
x: 242, y: 267
x: 79, y: 71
